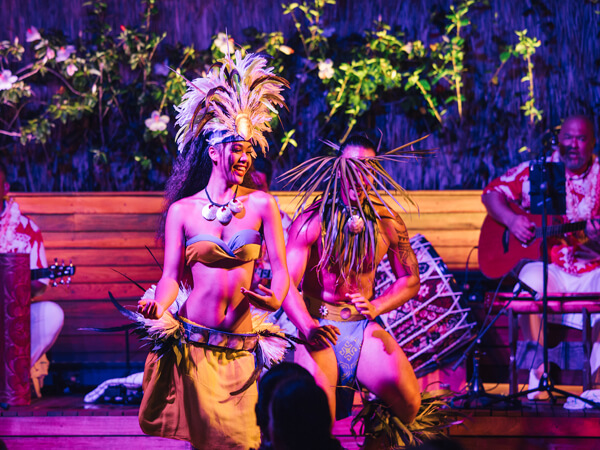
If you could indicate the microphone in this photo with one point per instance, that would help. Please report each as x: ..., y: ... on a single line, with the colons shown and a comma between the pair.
x: 520, y: 287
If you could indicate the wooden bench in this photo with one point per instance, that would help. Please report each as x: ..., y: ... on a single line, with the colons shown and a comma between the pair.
x: 104, y: 232
x: 584, y: 303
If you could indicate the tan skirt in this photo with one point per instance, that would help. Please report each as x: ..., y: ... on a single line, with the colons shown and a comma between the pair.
x: 187, y: 397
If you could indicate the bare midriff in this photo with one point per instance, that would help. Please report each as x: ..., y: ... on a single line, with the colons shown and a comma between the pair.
x: 216, y: 300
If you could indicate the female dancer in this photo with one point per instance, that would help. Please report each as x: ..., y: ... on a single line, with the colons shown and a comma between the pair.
x: 201, y: 388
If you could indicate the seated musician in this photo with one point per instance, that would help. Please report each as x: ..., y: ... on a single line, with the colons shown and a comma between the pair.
x: 19, y: 234
x: 574, y: 258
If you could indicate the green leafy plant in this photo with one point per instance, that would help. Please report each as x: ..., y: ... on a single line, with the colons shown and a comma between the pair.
x: 525, y: 48
x: 451, y: 53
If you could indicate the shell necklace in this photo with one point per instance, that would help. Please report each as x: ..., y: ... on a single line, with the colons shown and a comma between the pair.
x: 222, y: 212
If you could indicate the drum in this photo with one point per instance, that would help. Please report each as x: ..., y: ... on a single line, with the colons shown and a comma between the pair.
x: 15, y: 290
x: 432, y: 327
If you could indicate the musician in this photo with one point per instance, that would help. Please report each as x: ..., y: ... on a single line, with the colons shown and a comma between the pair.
x: 19, y: 234
x: 574, y: 258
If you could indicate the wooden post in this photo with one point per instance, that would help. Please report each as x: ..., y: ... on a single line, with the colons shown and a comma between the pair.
x: 15, y: 335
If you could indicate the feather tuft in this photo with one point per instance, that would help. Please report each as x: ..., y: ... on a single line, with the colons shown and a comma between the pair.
x: 233, y: 88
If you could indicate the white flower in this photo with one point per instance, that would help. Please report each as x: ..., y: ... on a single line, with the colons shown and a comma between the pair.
x: 326, y: 69
x: 224, y: 43
x: 32, y: 35
x: 407, y: 48
x: 71, y: 69
x: 50, y: 53
x: 156, y: 122
x: 7, y: 79
x: 64, y: 53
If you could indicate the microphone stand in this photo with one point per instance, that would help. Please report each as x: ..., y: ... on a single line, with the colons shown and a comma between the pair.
x: 476, y: 396
x: 558, y: 207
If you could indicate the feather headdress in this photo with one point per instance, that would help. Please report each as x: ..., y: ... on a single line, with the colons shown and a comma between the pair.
x: 349, y: 231
x: 235, y: 101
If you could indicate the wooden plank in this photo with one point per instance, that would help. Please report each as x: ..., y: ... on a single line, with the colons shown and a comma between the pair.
x: 95, y: 442
x: 93, y: 313
x: 456, y: 237
x: 91, y: 291
x: 103, y: 274
x: 152, y: 202
x: 96, y: 222
x: 426, y: 202
x: 445, y: 221
x: 90, y: 203
x: 531, y: 426
x: 108, y: 257
x: 72, y: 426
x: 525, y: 442
x: 100, y: 239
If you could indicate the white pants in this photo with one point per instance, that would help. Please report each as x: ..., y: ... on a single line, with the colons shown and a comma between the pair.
x: 559, y: 282
x: 47, y: 320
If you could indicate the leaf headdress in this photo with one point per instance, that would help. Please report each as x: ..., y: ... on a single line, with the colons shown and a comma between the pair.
x: 343, y: 243
x: 235, y: 101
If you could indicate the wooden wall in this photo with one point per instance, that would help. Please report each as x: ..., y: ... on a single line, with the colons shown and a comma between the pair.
x: 104, y: 232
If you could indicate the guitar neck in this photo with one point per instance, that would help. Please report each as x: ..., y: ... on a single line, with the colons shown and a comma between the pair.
x: 36, y: 274
x: 558, y: 230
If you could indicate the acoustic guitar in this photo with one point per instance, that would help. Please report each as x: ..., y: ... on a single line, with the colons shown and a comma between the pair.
x: 500, y: 252
x: 55, y: 272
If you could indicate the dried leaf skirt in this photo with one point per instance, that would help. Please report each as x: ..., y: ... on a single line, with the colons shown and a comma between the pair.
x: 187, y: 397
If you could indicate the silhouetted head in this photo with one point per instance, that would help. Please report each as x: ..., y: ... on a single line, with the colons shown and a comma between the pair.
x: 299, y: 417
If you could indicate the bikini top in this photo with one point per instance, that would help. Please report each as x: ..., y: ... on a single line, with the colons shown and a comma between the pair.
x: 245, y: 246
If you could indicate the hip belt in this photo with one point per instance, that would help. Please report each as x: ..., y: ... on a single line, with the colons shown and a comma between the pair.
x: 319, y: 309
x: 199, y: 334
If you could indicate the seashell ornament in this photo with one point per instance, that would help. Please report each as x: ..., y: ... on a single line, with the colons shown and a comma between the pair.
x: 355, y: 224
x: 236, y: 206
x: 243, y: 126
x: 224, y: 215
x: 209, y: 212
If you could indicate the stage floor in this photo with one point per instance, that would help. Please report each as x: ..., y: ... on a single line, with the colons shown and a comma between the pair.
x: 66, y: 422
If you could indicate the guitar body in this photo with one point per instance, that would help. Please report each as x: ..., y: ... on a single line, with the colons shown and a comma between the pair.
x: 500, y: 252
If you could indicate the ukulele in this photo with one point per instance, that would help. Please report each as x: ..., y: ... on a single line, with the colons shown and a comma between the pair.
x: 500, y: 252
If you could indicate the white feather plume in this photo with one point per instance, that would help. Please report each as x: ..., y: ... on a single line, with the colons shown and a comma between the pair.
x: 233, y: 92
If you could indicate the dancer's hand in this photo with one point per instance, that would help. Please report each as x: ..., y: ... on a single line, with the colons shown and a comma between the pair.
x: 363, y: 305
x: 150, y: 309
x: 322, y: 336
x: 266, y: 301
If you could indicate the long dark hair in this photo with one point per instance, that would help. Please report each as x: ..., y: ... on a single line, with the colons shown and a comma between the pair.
x: 191, y: 172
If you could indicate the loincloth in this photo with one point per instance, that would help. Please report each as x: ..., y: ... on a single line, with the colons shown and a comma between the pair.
x: 347, y: 349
